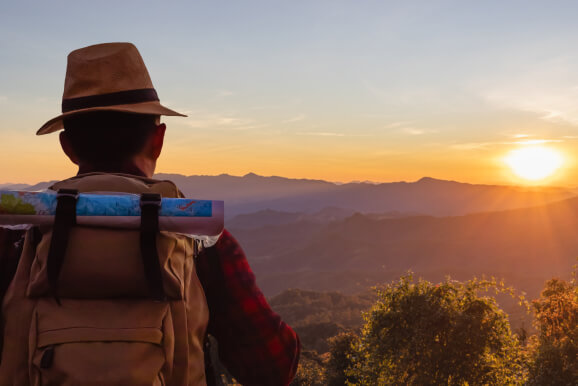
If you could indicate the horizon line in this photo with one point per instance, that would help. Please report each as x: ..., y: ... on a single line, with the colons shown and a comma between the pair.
x: 369, y: 182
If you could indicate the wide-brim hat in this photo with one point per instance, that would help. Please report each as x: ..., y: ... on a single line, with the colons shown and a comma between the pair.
x: 107, y: 77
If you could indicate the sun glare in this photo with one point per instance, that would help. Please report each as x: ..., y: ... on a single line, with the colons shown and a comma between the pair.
x: 534, y: 162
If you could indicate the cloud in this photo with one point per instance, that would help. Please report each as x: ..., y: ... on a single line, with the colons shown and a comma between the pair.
x: 225, y: 122
x: 297, y: 118
x: 249, y: 127
x: 224, y: 93
x: 322, y: 134
x: 472, y: 145
x: 490, y: 144
x: 395, y: 125
x: 413, y: 131
x: 548, y: 89
x: 417, y: 131
x: 537, y: 141
x: 407, y: 128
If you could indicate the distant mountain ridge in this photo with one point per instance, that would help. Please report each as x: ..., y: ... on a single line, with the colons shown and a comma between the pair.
x: 524, y: 246
x: 428, y: 196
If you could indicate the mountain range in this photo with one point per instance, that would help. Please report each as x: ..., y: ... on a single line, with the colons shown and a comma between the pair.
x: 427, y: 196
x: 523, y: 246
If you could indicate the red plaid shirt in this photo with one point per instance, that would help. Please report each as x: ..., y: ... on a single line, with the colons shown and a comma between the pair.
x: 255, y: 345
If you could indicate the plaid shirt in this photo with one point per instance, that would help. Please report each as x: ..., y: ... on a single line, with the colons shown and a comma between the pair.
x: 255, y: 345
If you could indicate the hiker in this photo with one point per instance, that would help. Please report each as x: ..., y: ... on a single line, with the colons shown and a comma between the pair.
x: 79, y: 309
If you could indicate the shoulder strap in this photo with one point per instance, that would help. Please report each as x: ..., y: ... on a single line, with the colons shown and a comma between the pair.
x: 64, y: 220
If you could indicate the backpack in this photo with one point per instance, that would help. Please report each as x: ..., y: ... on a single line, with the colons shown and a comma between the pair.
x: 104, y: 318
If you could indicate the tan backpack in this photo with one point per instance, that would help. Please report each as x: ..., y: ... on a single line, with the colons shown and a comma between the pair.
x: 102, y: 322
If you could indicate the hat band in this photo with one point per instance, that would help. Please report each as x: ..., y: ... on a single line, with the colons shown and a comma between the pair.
x: 111, y: 99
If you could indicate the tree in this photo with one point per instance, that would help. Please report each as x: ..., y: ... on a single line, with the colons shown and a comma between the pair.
x: 555, y: 359
x: 421, y: 333
x: 341, y: 354
x: 309, y: 371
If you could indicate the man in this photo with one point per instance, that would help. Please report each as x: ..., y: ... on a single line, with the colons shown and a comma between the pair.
x: 111, y: 121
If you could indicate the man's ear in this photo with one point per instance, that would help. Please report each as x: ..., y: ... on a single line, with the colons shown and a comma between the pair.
x: 67, y: 148
x: 157, y: 140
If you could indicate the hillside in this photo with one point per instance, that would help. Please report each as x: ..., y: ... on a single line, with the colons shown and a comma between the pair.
x: 317, y: 316
x: 524, y: 246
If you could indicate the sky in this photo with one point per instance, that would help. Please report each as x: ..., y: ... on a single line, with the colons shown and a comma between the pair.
x: 323, y: 89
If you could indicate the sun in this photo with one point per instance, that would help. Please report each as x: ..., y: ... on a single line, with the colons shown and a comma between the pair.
x: 534, y: 163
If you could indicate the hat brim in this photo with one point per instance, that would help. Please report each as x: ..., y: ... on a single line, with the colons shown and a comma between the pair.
x: 150, y: 108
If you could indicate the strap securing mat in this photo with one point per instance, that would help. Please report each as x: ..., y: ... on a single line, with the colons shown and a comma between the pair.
x: 64, y: 220
x: 150, y: 204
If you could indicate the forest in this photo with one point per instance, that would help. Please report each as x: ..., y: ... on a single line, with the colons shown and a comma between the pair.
x: 415, y: 332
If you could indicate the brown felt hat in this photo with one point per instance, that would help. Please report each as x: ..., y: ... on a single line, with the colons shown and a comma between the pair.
x: 107, y: 77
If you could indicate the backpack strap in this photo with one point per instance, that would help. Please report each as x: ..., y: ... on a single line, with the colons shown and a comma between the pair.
x: 64, y: 220
x: 150, y: 204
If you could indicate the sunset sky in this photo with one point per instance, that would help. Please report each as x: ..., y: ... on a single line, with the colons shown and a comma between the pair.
x: 325, y: 89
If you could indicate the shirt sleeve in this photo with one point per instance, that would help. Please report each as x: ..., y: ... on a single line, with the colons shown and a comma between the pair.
x: 255, y: 345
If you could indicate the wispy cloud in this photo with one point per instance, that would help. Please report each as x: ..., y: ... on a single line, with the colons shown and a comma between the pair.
x: 407, y: 127
x: 224, y: 122
x: 395, y: 125
x: 224, y: 93
x: 472, y: 145
x: 219, y: 95
x: 490, y: 144
x: 412, y: 131
x: 322, y: 134
x: 548, y: 89
x: 537, y: 141
x: 296, y: 118
x: 417, y: 131
x: 249, y: 127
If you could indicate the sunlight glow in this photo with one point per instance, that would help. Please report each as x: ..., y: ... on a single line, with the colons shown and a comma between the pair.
x: 534, y: 162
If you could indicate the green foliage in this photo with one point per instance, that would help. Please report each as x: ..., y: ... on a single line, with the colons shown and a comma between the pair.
x: 556, y: 347
x: 318, y: 316
x: 12, y: 205
x: 310, y: 371
x: 301, y: 307
x: 421, y: 333
x: 341, y: 354
x: 315, y: 336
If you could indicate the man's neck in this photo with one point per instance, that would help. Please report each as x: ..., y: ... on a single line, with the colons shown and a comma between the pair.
x: 125, y: 169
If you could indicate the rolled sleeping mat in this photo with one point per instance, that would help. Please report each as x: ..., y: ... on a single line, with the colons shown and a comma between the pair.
x: 197, y: 218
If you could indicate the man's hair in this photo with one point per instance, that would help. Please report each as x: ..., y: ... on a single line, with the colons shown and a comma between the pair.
x: 107, y: 139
